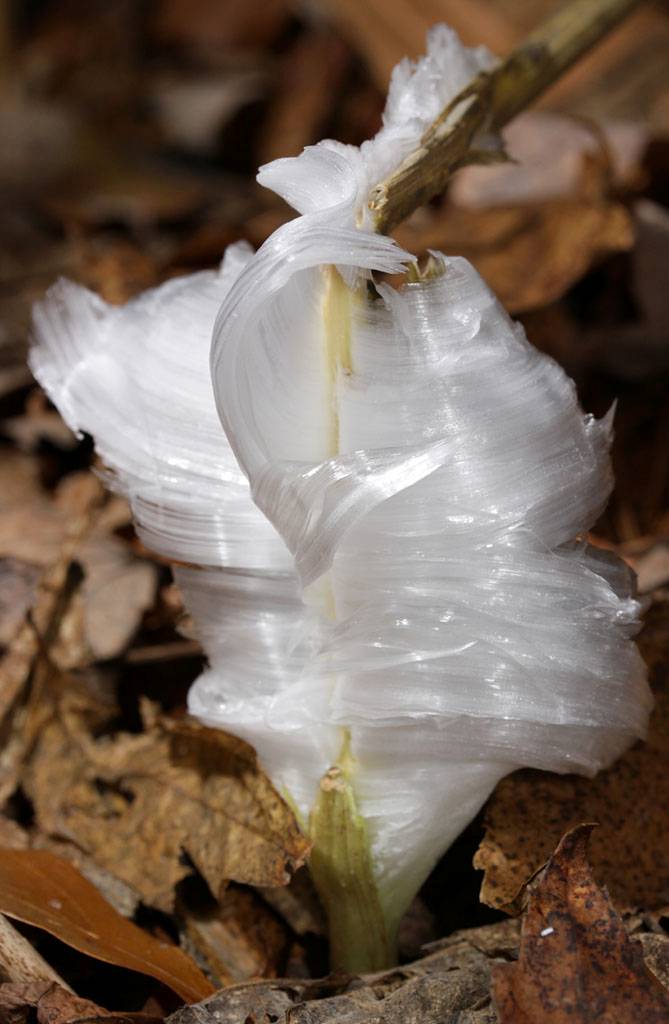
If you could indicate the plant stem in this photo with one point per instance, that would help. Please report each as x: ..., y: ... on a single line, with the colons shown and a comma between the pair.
x: 341, y: 868
x: 491, y: 101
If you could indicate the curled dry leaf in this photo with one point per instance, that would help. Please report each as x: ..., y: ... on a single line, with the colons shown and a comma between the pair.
x: 136, y: 803
x: 577, y: 964
x: 45, y: 891
x: 630, y: 851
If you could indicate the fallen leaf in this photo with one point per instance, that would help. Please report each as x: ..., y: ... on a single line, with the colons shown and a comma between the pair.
x: 547, y: 154
x: 136, y: 803
x: 306, y: 88
x: 651, y: 566
x: 529, y: 254
x: 634, y: 349
x: 18, y: 589
x: 117, y: 590
x: 118, y: 587
x: 240, y: 937
x: 577, y: 964
x: 38, y: 422
x: 41, y: 889
x: 298, y: 904
x: 387, y: 31
x: 122, y: 898
x: 623, y: 78
x: 19, y: 962
x: 223, y: 25
x: 51, y: 1004
x: 450, y: 983
x: 28, y: 666
x: 629, y: 853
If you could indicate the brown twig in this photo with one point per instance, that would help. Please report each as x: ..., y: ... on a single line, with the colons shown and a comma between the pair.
x: 490, y: 102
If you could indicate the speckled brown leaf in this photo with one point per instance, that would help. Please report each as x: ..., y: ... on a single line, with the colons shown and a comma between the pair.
x: 577, y: 964
x: 137, y: 802
x: 43, y: 890
x: 629, y: 853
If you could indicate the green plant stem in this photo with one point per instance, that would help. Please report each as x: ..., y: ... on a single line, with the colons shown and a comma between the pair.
x: 341, y: 867
x: 491, y: 101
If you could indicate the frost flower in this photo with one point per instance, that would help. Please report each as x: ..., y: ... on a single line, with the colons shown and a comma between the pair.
x: 421, y: 616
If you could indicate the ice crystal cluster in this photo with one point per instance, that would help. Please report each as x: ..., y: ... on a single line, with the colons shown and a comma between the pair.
x: 376, y: 498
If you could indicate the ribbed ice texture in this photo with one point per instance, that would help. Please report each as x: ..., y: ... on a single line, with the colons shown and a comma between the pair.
x: 429, y: 472
x: 136, y: 378
x: 464, y: 631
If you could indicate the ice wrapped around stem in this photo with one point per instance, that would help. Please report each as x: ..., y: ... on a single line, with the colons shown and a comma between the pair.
x: 432, y: 474
x: 409, y: 614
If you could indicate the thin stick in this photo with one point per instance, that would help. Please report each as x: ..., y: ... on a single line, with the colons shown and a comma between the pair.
x: 490, y: 102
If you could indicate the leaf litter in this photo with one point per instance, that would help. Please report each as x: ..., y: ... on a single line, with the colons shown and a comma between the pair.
x: 576, y: 962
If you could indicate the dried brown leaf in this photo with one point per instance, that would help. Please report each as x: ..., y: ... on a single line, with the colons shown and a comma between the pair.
x: 386, y: 31
x: 222, y: 24
x: 27, y: 670
x: 624, y: 78
x: 41, y: 889
x: 48, y: 1003
x: 136, y: 803
x: 529, y: 255
x: 630, y: 851
x: 577, y: 963
x: 450, y: 983
x: 651, y: 566
x: 33, y: 530
x: 240, y: 938
x: 122, y: 898
x: 307, y: 84
x: 18, y: 589
x: 19, y: 962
